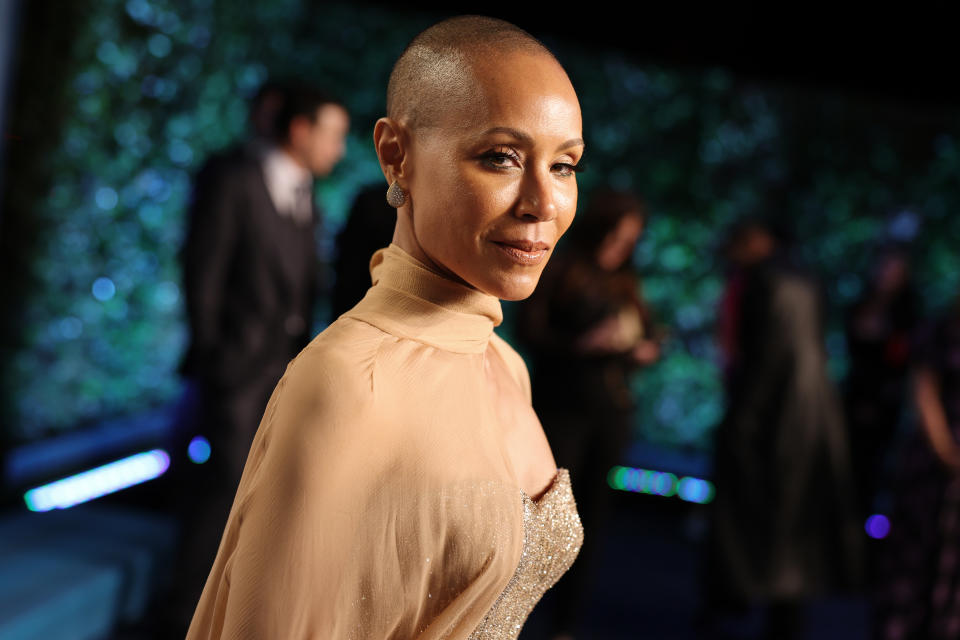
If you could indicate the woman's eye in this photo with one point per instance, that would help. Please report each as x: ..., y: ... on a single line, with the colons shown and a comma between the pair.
x: 565, y: 169
x: 501, y: 159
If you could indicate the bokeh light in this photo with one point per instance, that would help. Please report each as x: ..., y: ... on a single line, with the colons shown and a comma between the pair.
x: 877, y: 526
x: 103, y: 289
x: 660, y: 483
x: 97, y: 482
x: 198, y: 450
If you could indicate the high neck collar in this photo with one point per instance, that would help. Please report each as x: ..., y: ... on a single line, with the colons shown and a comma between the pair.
x: 410, y: 300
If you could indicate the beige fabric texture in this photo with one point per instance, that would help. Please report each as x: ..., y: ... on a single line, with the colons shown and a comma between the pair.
x: 378, y: 499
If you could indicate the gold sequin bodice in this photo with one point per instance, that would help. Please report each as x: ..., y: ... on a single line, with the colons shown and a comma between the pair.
x: 552, y: 535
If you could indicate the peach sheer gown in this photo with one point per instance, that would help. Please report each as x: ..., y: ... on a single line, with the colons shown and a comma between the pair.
x: 378, y: 499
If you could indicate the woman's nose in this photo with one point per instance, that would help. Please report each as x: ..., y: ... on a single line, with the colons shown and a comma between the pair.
x: 537, y: 198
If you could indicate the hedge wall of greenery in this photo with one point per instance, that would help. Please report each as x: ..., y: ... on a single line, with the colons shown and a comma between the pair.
x: 149, y: 88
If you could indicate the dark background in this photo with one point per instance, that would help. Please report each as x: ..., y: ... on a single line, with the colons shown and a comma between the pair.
x: 844, y: 127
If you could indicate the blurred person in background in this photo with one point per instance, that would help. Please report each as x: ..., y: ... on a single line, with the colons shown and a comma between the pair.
x: 879, y: 328
x: 783, y: 523
x: 261, y: 120
x: 919, y: 590
x: 250, y: 270
x: 586, y: 330
x: 369, y: 227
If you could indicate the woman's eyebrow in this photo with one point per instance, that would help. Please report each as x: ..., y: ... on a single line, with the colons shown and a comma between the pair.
x: 572, y: 142
x: 524, y: 137
x: 510, y: 131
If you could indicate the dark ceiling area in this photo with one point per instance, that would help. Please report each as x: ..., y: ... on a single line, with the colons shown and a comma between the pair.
x: 910, y: 57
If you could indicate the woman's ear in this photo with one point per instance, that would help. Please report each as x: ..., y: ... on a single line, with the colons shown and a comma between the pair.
x: 390, y: 139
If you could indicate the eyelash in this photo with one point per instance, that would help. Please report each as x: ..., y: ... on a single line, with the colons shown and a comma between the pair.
x: 507, y: 153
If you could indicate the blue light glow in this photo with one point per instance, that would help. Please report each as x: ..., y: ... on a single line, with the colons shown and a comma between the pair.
x: 141, y: 11
x: 166, y: 294
x: 104, y: 289
x: 665, y: 484
x: 98, y: 482
x: 199, y: 450
x: 159, y: 45
x: 695, y: 490
x: 70, y: 327
x: 179, y: 152
x: 108, y: 52
x: 660, y: 483
x: 904, y: 226
x: 877, y: 526
x: 106, y: 198
x: 151, y: 214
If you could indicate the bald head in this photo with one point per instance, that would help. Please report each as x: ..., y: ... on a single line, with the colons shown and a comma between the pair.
x: 434, y: 74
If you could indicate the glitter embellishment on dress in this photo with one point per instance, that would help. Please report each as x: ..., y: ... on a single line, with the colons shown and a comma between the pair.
x: 552, y: 536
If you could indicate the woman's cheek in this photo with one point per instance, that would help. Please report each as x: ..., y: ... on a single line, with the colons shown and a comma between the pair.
x: 501, y: 196
x: 568, y: 208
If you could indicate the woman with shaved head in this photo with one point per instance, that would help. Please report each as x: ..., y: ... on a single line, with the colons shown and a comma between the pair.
x: 400, y: 484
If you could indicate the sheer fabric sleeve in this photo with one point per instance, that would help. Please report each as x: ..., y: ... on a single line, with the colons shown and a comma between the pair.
x: 518, y: 368
x: 347, y: 524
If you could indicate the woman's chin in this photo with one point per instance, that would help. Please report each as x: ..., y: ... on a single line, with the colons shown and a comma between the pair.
x: 512, y: 288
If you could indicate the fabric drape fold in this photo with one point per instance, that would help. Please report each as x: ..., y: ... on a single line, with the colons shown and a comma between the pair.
x: 378, y: 499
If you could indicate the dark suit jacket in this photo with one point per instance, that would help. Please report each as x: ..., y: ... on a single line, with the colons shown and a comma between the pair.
x: 250, y: 278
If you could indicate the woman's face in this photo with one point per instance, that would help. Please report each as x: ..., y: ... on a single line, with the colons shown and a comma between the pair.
x: 492, y: 187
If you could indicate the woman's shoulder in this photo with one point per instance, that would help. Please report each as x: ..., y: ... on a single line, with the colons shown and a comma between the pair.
x: 350, y: 359
x: 345, y: 337
x: 514, y: 361
x: 340, y: 359
x: 506, y: 350
x: 326, y: 398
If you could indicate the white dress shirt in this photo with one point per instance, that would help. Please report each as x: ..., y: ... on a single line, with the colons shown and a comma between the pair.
x: 289, y: 184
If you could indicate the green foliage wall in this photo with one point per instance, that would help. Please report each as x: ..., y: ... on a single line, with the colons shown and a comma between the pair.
x: 153, y: 86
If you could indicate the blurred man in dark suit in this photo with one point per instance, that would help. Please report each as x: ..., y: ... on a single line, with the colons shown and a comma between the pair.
x: 250, y: 276
x: 250, y: 265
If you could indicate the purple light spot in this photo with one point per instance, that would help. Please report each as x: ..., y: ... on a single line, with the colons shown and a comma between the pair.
x: 878, y: 526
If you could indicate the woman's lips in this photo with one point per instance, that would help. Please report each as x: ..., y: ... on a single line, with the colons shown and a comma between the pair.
x: 524, y: 252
